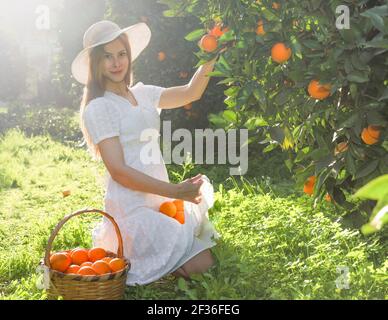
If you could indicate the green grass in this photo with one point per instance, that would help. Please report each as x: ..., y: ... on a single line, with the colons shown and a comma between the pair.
x: 273, y: 244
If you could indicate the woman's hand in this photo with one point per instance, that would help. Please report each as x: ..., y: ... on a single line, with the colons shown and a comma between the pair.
x: 188, y: 189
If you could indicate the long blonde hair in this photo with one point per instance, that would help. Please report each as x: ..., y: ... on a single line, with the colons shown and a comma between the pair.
x: 95, y: 87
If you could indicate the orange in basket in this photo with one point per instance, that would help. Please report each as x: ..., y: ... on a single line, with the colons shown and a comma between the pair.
x: 73, y: 278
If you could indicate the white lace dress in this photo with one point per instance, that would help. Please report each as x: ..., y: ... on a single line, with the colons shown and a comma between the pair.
x: 155, y: 244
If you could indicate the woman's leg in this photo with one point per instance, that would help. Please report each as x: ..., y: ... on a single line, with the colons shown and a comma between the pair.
x: 199, y: 263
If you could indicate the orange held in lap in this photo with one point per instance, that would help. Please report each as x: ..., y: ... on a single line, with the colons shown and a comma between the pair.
x: 168, y: 208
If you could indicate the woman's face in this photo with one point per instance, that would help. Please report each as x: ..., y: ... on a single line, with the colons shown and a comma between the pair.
x: 115, y: 62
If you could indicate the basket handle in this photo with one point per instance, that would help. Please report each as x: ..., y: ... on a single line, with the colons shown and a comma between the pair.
x: 69, y: 216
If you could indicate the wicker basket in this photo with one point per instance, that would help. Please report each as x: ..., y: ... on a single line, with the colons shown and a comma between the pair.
x: 76, y: 287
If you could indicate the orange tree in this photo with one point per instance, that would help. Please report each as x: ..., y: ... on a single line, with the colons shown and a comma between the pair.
x: 299, y: 82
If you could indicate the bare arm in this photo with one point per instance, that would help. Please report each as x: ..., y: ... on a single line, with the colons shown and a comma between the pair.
x: 176, y: 97
x: 113, y: 158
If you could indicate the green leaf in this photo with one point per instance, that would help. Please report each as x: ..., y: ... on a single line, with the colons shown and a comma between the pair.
x: 270, y: 147
x: 230, y: 115
x: 375, y: 189
x: 357, y: 76
x: 384, y: 95
x: 277, y: 134
x: 350, y: 163
x: 376, y: 19
x: 367, y: 169
x: 195, y: 35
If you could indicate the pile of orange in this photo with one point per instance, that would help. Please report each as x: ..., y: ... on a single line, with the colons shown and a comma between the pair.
x: 309, y: 185
x: 85, y: 262
x: 174, y: 209
x: 371, y: 134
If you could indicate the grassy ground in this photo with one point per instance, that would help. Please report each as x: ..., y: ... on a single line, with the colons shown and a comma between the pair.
x: 273, y: 244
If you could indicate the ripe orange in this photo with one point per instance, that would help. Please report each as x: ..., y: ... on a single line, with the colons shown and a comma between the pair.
x: 161, y: 56
x: 86, y: 264
x: 179, y: 204
x: 168, y: 208
x: 60, y: 261
x: 309, y: 185
x: 107, y: 259
x: 327, y: 197
x: 218, y: 30
x: 73, y: 269
x: 260, y: 28
x: 341, y: 147
x: 209, y: 43
x: 87, y: 271
x: 117, y: 264
x: 79, y: 256
x: 96, y: 254
x: 180, y: 216
x: 319, y: 91
x: 276, y: 5
x: 280, y: 53
x: 101, y: 267
x: 370, y: 135
x: 66, y: 193
x: 374, y: 131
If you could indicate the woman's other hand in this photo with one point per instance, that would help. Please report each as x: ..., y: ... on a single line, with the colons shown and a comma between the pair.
x: 189, y: 189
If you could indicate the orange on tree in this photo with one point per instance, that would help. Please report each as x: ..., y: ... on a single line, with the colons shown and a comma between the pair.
x: 161, y: 56
x: 370, y: 135
x: 260, y: 28
x: 276, y: 5
x: 319, y: 91
x: 168, y: 208
x: 327, y: 197
x: 60, y: 261
x: 341, y: 147
x: 101, y: 267
x: 280, y: 53
x: 208, y: 43
x: 74, y: 268
x: 309, y: 185
x: 79, y: 256
x: 96, y: 254
x: 218, y: 30
x: 87, y: 271
x: 117, y: 264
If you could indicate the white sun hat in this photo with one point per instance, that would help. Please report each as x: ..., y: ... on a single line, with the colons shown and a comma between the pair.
x: 105, y: 31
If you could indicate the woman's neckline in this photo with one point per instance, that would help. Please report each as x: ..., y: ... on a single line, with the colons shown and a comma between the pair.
x: 123, y: 98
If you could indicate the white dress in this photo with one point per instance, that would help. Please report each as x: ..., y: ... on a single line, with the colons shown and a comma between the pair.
x: 155, y: 244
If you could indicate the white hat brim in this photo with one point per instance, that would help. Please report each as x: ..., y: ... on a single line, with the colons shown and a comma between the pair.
x: 139, y: 36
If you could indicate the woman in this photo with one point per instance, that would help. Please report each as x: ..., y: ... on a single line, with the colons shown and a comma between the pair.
x: 113, y: 115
